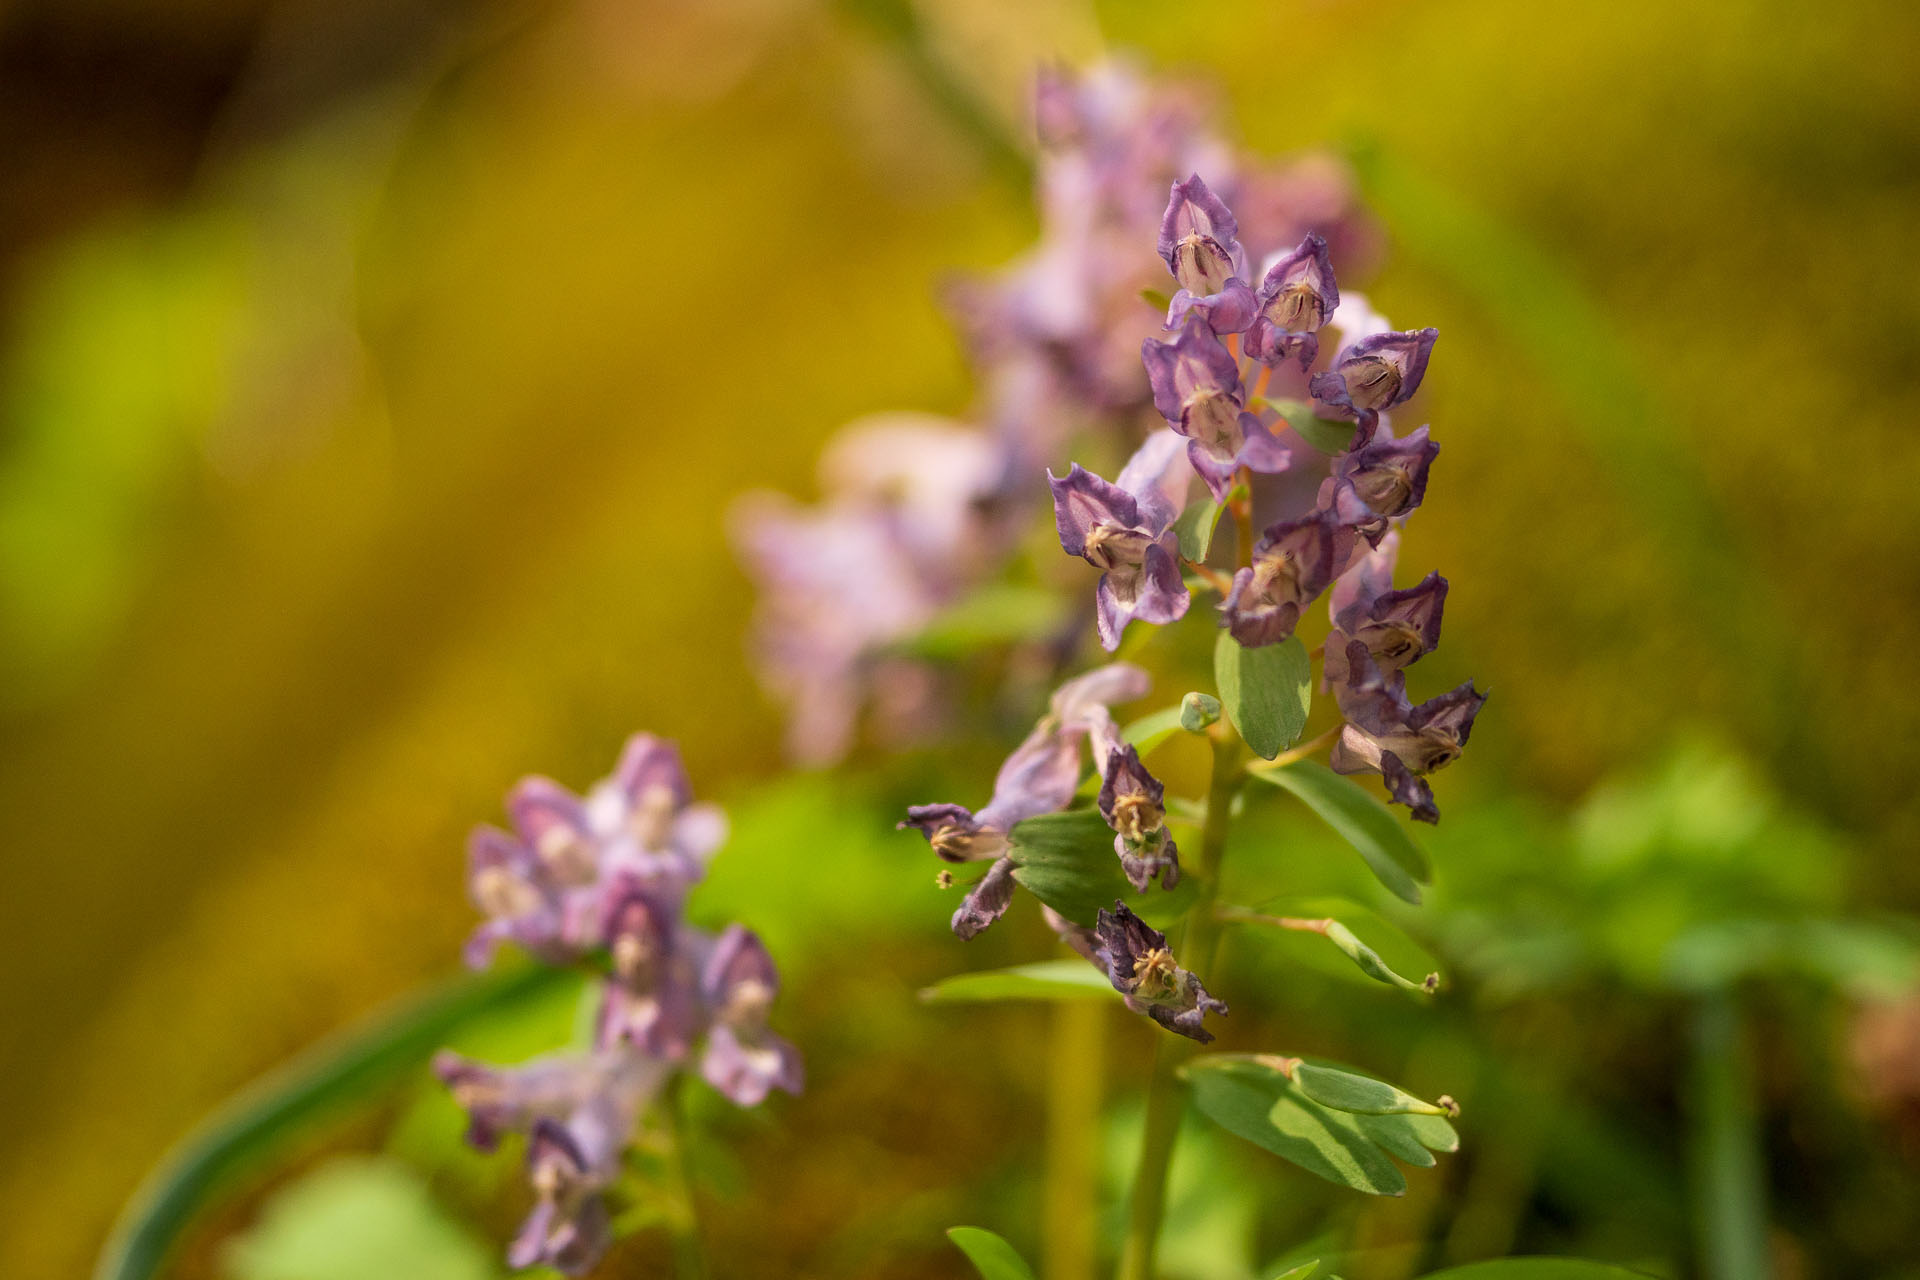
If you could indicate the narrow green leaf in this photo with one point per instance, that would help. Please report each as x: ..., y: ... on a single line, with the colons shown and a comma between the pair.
x: 328, y: 1079
x: 1328, y: 435
x: 1267, y: 691
x: 1363, y: 956
x: 1300, y: 1272
x: 1363, y: 821
x: 1536, y: 1269
x: 1361, y: 1095
x: 1254, y: 1098
x: 1195, y: 528
x: 1156, y: 299
x: 1067, y: 861
x: 991, y: 1256
x: 1049, y: 980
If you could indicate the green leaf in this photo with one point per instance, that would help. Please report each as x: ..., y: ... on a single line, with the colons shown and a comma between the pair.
x: 353, y: 1217
x: 1156, y: 299
x: 1363, y: 821
x: 991, y: 1256
x: 1360, y: 1095
x: 1149, y: 731
x: 1067, y: 861
x: 1300, y: 1272
x: 1536, y: 1269
x: 1328, y: 435
x: 326, y: 1080
x: 1254, y: 1098
x: 1365, y: 957
x: 1049, y: 980
x: 1195, y: 528
x: 1267, y: 691
x: 998, y: 613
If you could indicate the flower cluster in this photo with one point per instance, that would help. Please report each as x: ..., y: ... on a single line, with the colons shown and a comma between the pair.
x: 918, y: 510
x: 603, y: 879
x: 1214, y: 383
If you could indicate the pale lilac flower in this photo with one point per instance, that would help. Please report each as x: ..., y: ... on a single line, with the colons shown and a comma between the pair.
x: 744, y: 1060
x: 1143, y: 970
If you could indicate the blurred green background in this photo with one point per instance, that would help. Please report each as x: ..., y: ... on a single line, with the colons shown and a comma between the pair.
x: 375, y: 378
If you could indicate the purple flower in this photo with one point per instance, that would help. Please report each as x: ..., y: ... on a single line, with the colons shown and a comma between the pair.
x: 569, y: 1228
x: 1388, y: 735
x: 515, y: 889
x: 744, y: 1060
x: 1388, y: 476
x: 1040, y: 776
x: 1296, y: 297
x: 1130, y: 801
x: 1143, y: 970
x: 1397, y: 627
x: 1197, y: 239
x: 1292, y: 564
x: 1126, y: 537
x: 650, y: 1002
x: 1375, y: 373
x: 1197, y: 389
x: 501, y: 1100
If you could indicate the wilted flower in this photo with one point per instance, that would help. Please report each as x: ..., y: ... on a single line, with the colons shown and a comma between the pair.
x: 1130, y: 801
x: 1040, y: 776
x: 1143, y: 970
x: 1388, y: 735
x: 1292, y: 564
x: 1397, y: 627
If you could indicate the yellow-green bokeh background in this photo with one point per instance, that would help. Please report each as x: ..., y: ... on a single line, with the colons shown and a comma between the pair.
x: 381, y: 455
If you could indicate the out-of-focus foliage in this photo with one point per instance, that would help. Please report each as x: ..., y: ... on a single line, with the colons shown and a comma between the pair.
x: 370, y: 396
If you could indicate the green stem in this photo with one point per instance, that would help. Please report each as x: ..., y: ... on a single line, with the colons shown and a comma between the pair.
x: 1166, y: 1097
x: 689, y: 1258
x: 1728, y: 1186
x: 1073, y: 1139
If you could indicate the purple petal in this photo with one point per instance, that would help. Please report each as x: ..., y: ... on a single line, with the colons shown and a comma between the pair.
x: 1083, y: 501
x: 1230, y: 310
x: 1198, y: 238
x: 986, y: 902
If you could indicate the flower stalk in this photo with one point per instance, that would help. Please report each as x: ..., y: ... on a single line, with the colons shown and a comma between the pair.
x: 1166, y: 1096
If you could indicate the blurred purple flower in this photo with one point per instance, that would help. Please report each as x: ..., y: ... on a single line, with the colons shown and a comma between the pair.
x: 744, y: 1060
